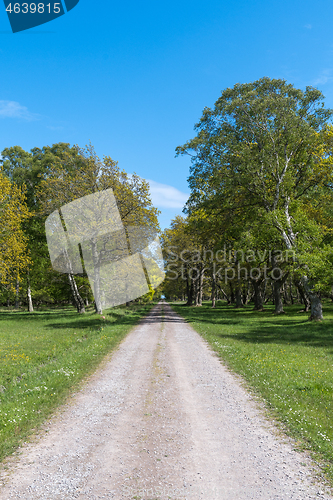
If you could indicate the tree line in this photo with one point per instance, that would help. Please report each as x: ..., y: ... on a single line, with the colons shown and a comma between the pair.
x: 259, y: 218
x: 32, y: 185
x: 258, y: 223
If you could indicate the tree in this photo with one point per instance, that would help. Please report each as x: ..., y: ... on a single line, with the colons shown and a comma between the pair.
x: 262, y: 148
x: 14, y: 259
x: 75, y: 173
x: 25, y: 170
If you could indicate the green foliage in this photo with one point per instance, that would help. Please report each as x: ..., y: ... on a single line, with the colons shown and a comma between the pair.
x: 14, y: 258
x: 262, y: 171
x: 79, y: 172
x: 260, y: 141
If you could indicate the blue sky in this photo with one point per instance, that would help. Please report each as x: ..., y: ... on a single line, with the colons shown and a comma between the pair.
x: 134, y: 77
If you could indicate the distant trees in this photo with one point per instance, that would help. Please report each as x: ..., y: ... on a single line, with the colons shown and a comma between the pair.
x: 177, y: 247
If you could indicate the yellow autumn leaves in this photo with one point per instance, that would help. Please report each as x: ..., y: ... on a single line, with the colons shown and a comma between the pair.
x: 14, y: 259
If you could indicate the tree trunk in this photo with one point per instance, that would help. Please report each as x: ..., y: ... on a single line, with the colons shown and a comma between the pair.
x: 316, y: 308
x: 189, y: 289
x: 277, y: 297
x: 79, y: 304
x: 246, y: 293
x: 232, y: 295
x: 77, y: 299
x: 213, y: 287
x: 196, y: 291
x: 224, y: 294
x: 278, y: 284
x: 238, y: 297
x: 303, y: 296
x: 285, y: 294
x: 315, y: 301
x: 30, y: 306
x: 97, y: 284
x: 200, y: 285
x: 291, y: 292
x: 17, y: 302
x: 264, y: 292
x: 190, y: 292
x: 258, y: 298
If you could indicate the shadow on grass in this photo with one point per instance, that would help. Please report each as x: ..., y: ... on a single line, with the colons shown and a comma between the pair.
x: 252, y: 326
x: 68, y: 318
x: 127, y: 318
x: 23, y: 315
x: 130, y: 317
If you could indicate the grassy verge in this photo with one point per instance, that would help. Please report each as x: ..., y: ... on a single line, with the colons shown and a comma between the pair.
x: 44, y: 355
x: 286, y: 359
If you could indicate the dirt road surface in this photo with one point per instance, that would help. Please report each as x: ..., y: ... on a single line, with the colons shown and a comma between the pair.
x: 162, y: 419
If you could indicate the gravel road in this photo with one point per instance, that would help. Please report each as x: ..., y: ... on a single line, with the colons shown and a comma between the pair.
x: 162, y: 419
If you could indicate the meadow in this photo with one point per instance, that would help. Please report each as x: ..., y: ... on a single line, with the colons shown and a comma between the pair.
x: 43, y: 358
x: 286, y: 360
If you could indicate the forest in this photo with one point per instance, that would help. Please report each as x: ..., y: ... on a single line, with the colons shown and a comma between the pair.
x: 258, y: 225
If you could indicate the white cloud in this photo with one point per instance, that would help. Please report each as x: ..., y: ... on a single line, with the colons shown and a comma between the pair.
x: 165, y: 196
x: 323, y: 77
x: 13, y: 109
x: 308, y: 26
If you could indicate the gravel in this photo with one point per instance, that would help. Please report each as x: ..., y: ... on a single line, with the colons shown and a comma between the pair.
x: 162, y: 418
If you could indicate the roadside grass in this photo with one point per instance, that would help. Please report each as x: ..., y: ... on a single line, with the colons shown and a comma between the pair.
x: 45, y: 355
x: 286, y: 359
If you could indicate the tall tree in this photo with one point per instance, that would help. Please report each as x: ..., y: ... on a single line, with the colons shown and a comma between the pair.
x: 25, y: 170
x: 73, y: 173
x: 14, y: 259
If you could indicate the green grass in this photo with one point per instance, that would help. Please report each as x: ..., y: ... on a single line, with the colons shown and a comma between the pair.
x: 44, y: 356
x: 285, y: 359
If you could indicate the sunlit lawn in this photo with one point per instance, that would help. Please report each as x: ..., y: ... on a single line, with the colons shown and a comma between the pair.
x: 44, y: 355
x: 287, y: 359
